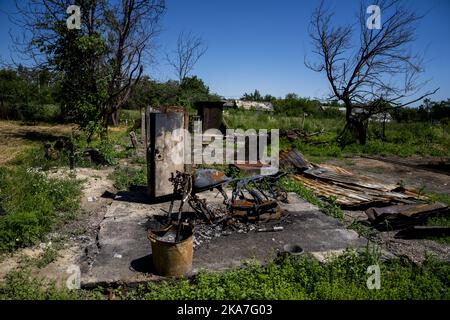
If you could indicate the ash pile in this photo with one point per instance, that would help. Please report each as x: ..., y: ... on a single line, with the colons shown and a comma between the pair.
x: 267, y: 222
x: 253, y: 206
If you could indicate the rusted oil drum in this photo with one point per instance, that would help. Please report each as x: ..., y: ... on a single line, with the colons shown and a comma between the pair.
x: 170, y: 258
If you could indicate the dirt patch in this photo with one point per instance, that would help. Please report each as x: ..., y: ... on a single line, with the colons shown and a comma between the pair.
x: 15, y: 137
x: 415, y: 250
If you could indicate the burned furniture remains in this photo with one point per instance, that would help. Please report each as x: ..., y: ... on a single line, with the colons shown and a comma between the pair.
x: 253, y: 198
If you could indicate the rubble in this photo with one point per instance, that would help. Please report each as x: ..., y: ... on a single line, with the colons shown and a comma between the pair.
x: 348, y: 190
x: 252, y: 207
x: 401, y: 216
x: 205, y: 233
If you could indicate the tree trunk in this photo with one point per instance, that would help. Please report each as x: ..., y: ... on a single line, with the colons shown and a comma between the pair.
x: 113, y: 118
x: 354, y: 125
x: 361, y: 129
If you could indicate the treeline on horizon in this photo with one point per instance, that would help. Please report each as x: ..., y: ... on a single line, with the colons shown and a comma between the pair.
x: 32, y: 95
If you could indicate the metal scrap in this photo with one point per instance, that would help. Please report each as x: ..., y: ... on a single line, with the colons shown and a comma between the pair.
x: 401, y: 216
x: 295, y: 134
x: 348, y: 190
x: 254, y: 200
x: 293, y: 161
x: 276, y: 228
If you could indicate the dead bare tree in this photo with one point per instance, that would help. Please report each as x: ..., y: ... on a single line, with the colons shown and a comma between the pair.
x: 373, y: 73
x: 189, y: 50
x: 128, y: 28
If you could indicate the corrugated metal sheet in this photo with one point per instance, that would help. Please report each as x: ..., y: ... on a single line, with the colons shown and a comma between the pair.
x: 351, y: 190
x: 399, y: 216
x: 293, y: 160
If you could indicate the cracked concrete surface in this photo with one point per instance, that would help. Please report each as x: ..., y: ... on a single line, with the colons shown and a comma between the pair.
x: 122, y: 252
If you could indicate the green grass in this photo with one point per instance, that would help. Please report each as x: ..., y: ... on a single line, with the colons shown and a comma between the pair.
x: 116, y: 146
x: 444, y: 220
x: 245, y: 119
x: 344, y: 277
x: 329, y: 206
x: 439, y: 197
x: 49, y: 255
x: 402, y: 139
x: 21, y: 285
x: 440, y: 221
x: 33, y: 204
x: 129, y: 116
x: 125, y: 177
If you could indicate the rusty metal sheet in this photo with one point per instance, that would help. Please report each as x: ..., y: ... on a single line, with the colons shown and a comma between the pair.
x: 211, y: 114
x: 399, y: 216
x: 335, y: 169
x: 293, y: 160
x: 349, y: 179
x: 406, y: 210
x: 208, y: 179
x: 420, y: 232
x: 352, y: 195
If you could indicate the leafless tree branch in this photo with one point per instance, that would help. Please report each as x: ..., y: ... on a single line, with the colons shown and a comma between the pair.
x: 188, y: 51
x: 378, y: 69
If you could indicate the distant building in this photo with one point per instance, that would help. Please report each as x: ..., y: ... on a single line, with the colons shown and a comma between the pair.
x: 378, y: 117
x: 340, y: 109
x: 381, y: 117
x: 250, y: 105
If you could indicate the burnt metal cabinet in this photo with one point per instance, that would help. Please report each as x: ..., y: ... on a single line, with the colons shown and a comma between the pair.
x: 165, y: 150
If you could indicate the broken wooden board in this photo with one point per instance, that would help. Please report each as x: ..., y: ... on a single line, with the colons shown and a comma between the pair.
x: 400, y: 216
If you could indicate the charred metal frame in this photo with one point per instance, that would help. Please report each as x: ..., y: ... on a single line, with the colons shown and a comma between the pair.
x: 263, y: 191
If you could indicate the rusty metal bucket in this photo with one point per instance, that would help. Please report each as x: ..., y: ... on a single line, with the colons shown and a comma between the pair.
x: 172, y: 258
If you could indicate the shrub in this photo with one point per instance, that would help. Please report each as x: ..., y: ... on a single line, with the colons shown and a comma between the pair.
x: 126, y: 177
x: 32, y: 204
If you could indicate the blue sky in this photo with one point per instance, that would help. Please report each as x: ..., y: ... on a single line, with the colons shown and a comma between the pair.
x: 260, y: 44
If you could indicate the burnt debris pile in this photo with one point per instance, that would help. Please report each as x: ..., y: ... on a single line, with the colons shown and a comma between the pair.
x: 252, y: 207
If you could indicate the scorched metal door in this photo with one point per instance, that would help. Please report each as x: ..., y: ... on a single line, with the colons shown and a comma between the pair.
x: 165, y: 152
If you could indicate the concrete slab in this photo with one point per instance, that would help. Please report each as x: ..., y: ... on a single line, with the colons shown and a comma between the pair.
x: 123, y: 252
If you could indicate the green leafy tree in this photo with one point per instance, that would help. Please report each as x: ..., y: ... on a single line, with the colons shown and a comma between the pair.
x: 25, y: 93
x: 255, y: 96
x: 100, y: 63
x: 82, y: 84
x: 152, y: 93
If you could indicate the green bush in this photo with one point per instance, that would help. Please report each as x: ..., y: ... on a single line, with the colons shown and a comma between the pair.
x: 126, y: 177
x: 32, y: 205
x: 35, y: 157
